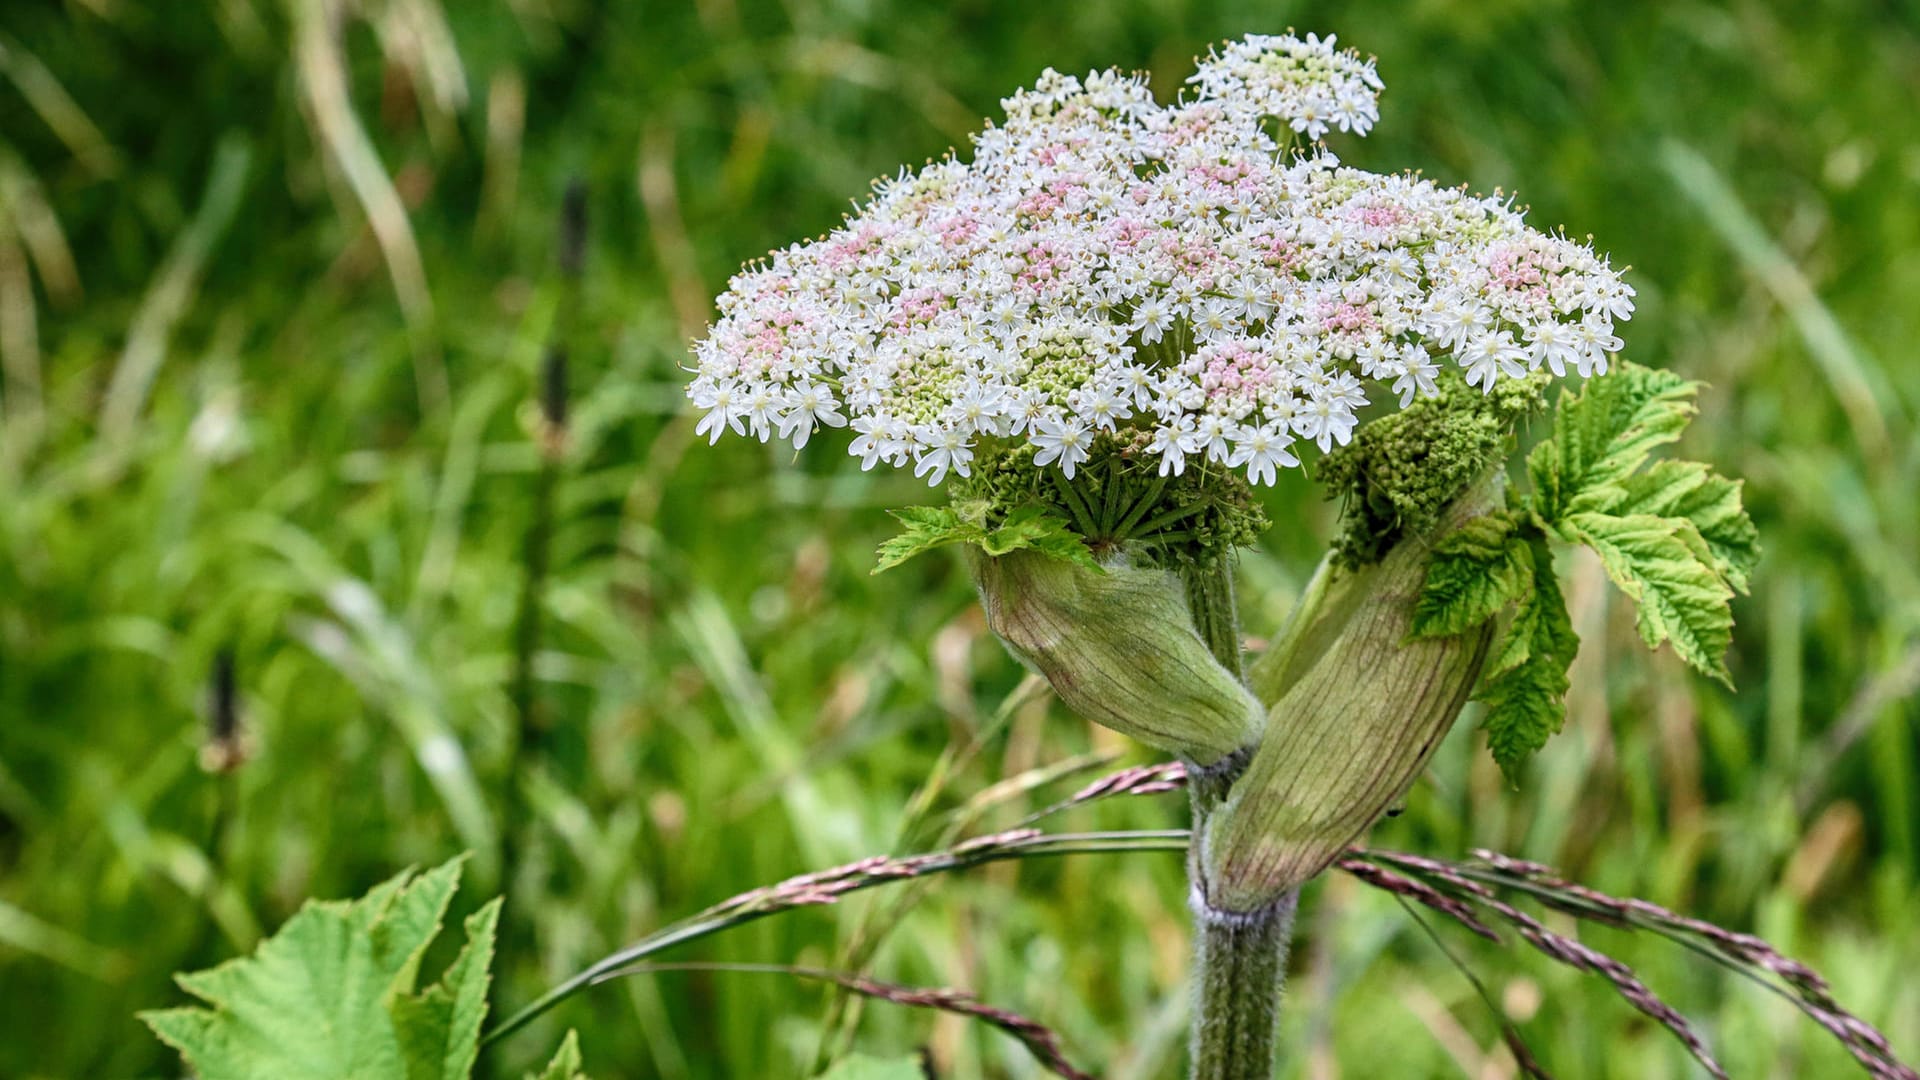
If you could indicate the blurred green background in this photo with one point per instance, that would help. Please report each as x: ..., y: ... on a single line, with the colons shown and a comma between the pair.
x: 275, y: 284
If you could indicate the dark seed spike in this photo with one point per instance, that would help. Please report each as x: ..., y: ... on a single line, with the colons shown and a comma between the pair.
x: 553, y: 387
x: 223, y: 710
x: 225, y: 746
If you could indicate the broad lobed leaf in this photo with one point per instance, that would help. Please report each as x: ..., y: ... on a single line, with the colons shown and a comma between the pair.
x: 331, y: 995
x: 1671, y: 534
x: 1604, y: 433
x: 1660, y: 562
x: 1473, y: 574
x: 309, y: 1004
x: 930, y: 527
x: 1525, y: 684
x: 1689, y: 489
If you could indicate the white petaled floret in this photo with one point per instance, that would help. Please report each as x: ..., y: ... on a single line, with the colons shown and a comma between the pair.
x: 1065, y: 441
x: 1105, y: 263
x: 1259, y: 449
x: 941, y: 448
x: 1171, y: 443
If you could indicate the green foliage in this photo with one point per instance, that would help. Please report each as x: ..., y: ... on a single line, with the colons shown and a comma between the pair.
x: 1690, y: 490
x: 566, y: 1061
x: 1605, y: 432
x: 1673, y: 537
x: 863, y: 1067
x: 1475, y: 573
x: 1649, y: 528
x: 1661, y: 564
x: 332, y: 995
x: 1496, y: 562
x: 1525, y: 684
x: 1029, y: 527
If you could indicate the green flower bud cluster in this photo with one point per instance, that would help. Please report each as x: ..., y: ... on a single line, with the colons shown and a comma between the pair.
x: 1401, y: 472
x: 1058, y: 363
x: 921, y: 390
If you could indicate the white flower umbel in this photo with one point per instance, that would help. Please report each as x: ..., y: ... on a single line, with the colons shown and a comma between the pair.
x: 1106, y: 264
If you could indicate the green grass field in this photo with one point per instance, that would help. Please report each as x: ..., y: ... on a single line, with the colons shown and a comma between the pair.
x: 276, y: 281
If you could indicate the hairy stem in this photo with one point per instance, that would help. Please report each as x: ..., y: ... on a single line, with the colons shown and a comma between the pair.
x: 1239, y: 957
x: 1215, y: 614
x: 1240, y: 960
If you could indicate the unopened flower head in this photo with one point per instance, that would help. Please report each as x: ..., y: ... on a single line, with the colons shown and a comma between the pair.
x: 1109, y: 267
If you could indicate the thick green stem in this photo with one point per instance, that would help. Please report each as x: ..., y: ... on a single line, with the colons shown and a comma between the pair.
x: 1239, y: 957
x: 1215, y: 615
x: 1240, y: 960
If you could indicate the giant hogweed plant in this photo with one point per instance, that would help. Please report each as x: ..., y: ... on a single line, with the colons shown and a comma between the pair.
x: 1119, y: 318
x: 1102, y: 334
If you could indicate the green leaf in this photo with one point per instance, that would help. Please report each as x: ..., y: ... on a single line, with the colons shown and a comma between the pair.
x: 930, y: 527
x: 1474, y: 573
x: 1661, y: 563
x: 331, y: 995
x: 309, y: 1004
x: 404, y: 928
x: 1689, y: 489
x: 1048, y: 534
x: 440, y: 1029
x: 1604, y: 433
x: 566, y: 1061
x: 1525, y: 684
x: 862, y: 1067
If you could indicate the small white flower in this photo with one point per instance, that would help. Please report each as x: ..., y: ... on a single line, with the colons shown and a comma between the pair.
x: 980, y: 406
x: 1325, y: 421
x: 723, y: 410
x: 1151, y: 318
x: 763, y: 402
x: 1259, y: 450
x: 1171, y: 443
x: 1460, y: 324
x: 1210, y: 435
x: 1417, y: 373
x: 1616, y: 299
x: 1064, y: 441
x: 1214, y: 319
x: 1100, y: 407
x: 1596, y: 343
x: 1490, y: 355
x: 1139, y: 387
x: 881, y: 438
x: 941, y: 449
x: 806, y: 405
